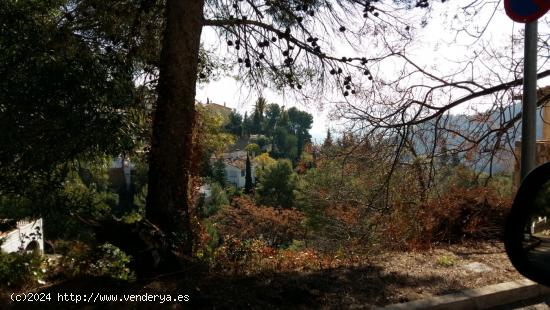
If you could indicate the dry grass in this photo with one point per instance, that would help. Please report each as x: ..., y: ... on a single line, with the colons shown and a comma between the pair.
x: 380, y: 280
x: 427, y: 264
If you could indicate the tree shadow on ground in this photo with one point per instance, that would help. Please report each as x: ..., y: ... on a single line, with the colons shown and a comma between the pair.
x: 338, y: 288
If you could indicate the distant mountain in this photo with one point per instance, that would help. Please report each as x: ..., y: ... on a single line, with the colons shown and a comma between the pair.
x: 465, y: 123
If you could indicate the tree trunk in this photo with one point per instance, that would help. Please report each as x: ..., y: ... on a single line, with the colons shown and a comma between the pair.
x: 169, y: 186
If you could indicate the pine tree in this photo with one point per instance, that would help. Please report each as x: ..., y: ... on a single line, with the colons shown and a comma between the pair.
x: 328, y: 140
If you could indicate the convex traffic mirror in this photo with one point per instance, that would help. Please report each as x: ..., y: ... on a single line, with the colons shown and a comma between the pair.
x: 527, y: 231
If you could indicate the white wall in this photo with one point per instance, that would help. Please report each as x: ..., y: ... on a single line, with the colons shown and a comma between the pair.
x: 233, y: 175
x: 237, y: 176
x: 25, y: 233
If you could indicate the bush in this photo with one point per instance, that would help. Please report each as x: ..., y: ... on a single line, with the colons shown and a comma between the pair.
x: 112, y: 262
x: 105, y: 260
x: 461, y: 214
x: 216, y: 201
x: 276, y: 185
x: 246, y: 221
x: 445, y: 261
x: 336, y: 200
x: 18, y: 269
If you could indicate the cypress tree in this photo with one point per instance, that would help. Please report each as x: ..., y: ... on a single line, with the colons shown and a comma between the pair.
x: 248, y: 176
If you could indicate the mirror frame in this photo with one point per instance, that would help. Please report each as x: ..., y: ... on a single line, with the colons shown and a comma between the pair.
x: 518, y: 218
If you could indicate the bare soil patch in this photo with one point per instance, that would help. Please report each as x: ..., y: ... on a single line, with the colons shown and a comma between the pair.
x: 384, y: 279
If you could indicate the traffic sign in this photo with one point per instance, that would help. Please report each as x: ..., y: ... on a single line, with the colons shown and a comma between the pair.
x: 525, y: 11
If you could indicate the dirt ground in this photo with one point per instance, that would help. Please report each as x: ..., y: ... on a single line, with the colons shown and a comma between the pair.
x: 388, y: 278
x: 447, y: 267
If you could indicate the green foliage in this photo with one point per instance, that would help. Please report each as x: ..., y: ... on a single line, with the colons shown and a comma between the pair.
x: 285, y: 144
x: 297, y: 245
x: 262, y: 142
x: 17, y: 269
x: 336, y: 199
x: 63, y: 96
x: 213, y: 238
x: 76, y: 257
x: 235, y: 124
x: 112, y: 262
x: 503, y: 184
x: 328, y: 140
x: 105, y: 260
x: 218, y: 173
x: 232, y: 191
x: 288, y: 131
x: 94, y: 200
x: 299, y: 124
x: 262, y: 162
x: 247, y: 125
x: 253, y: 148
x: 213, y: 138
x: 455, y: 176
x: 217, y: 200
x: 276, y: 185
x: 85, y: 195
x: 445, y: 261
x: 272, y: 114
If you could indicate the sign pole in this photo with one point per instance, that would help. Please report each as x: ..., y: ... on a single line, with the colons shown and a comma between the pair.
x: 529, y: 116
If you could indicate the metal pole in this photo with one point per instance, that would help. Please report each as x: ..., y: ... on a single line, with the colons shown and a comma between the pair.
x: 529, y: 116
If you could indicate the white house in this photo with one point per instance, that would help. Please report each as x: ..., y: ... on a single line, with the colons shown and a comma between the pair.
x: 19, y: 236
x: 235, y: 172
x: 235, y: 168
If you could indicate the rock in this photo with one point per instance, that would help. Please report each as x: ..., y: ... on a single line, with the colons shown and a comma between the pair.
x: 477, y: 267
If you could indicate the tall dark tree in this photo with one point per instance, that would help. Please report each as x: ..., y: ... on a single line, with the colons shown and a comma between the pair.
x: 235, y: 124
x: 272, y: 114
x: 256, y: 122
x: 171, y: 154
x: 285, y: 144
x: 328, y: 140
x: 247, y: 125
x: 300, y: 123
x: 258, y: 116
x: 248, y: 186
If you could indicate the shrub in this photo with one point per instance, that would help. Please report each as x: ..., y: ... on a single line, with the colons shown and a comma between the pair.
x: 17, y: 269
x: 216, y: 201
x: 336, y: 200
x: 112, y: 262
x: 297, y: 245
x: 476, y: 213
x: 445, y: 261
x: 246, y: 221
x: 276, y: 185
x: 75, y: 259
x: 105, y: 260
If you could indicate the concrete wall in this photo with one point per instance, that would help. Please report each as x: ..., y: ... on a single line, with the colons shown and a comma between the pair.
x: 27, y: 235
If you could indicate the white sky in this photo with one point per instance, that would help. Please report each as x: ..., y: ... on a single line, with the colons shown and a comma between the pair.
x: 433, y: 47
